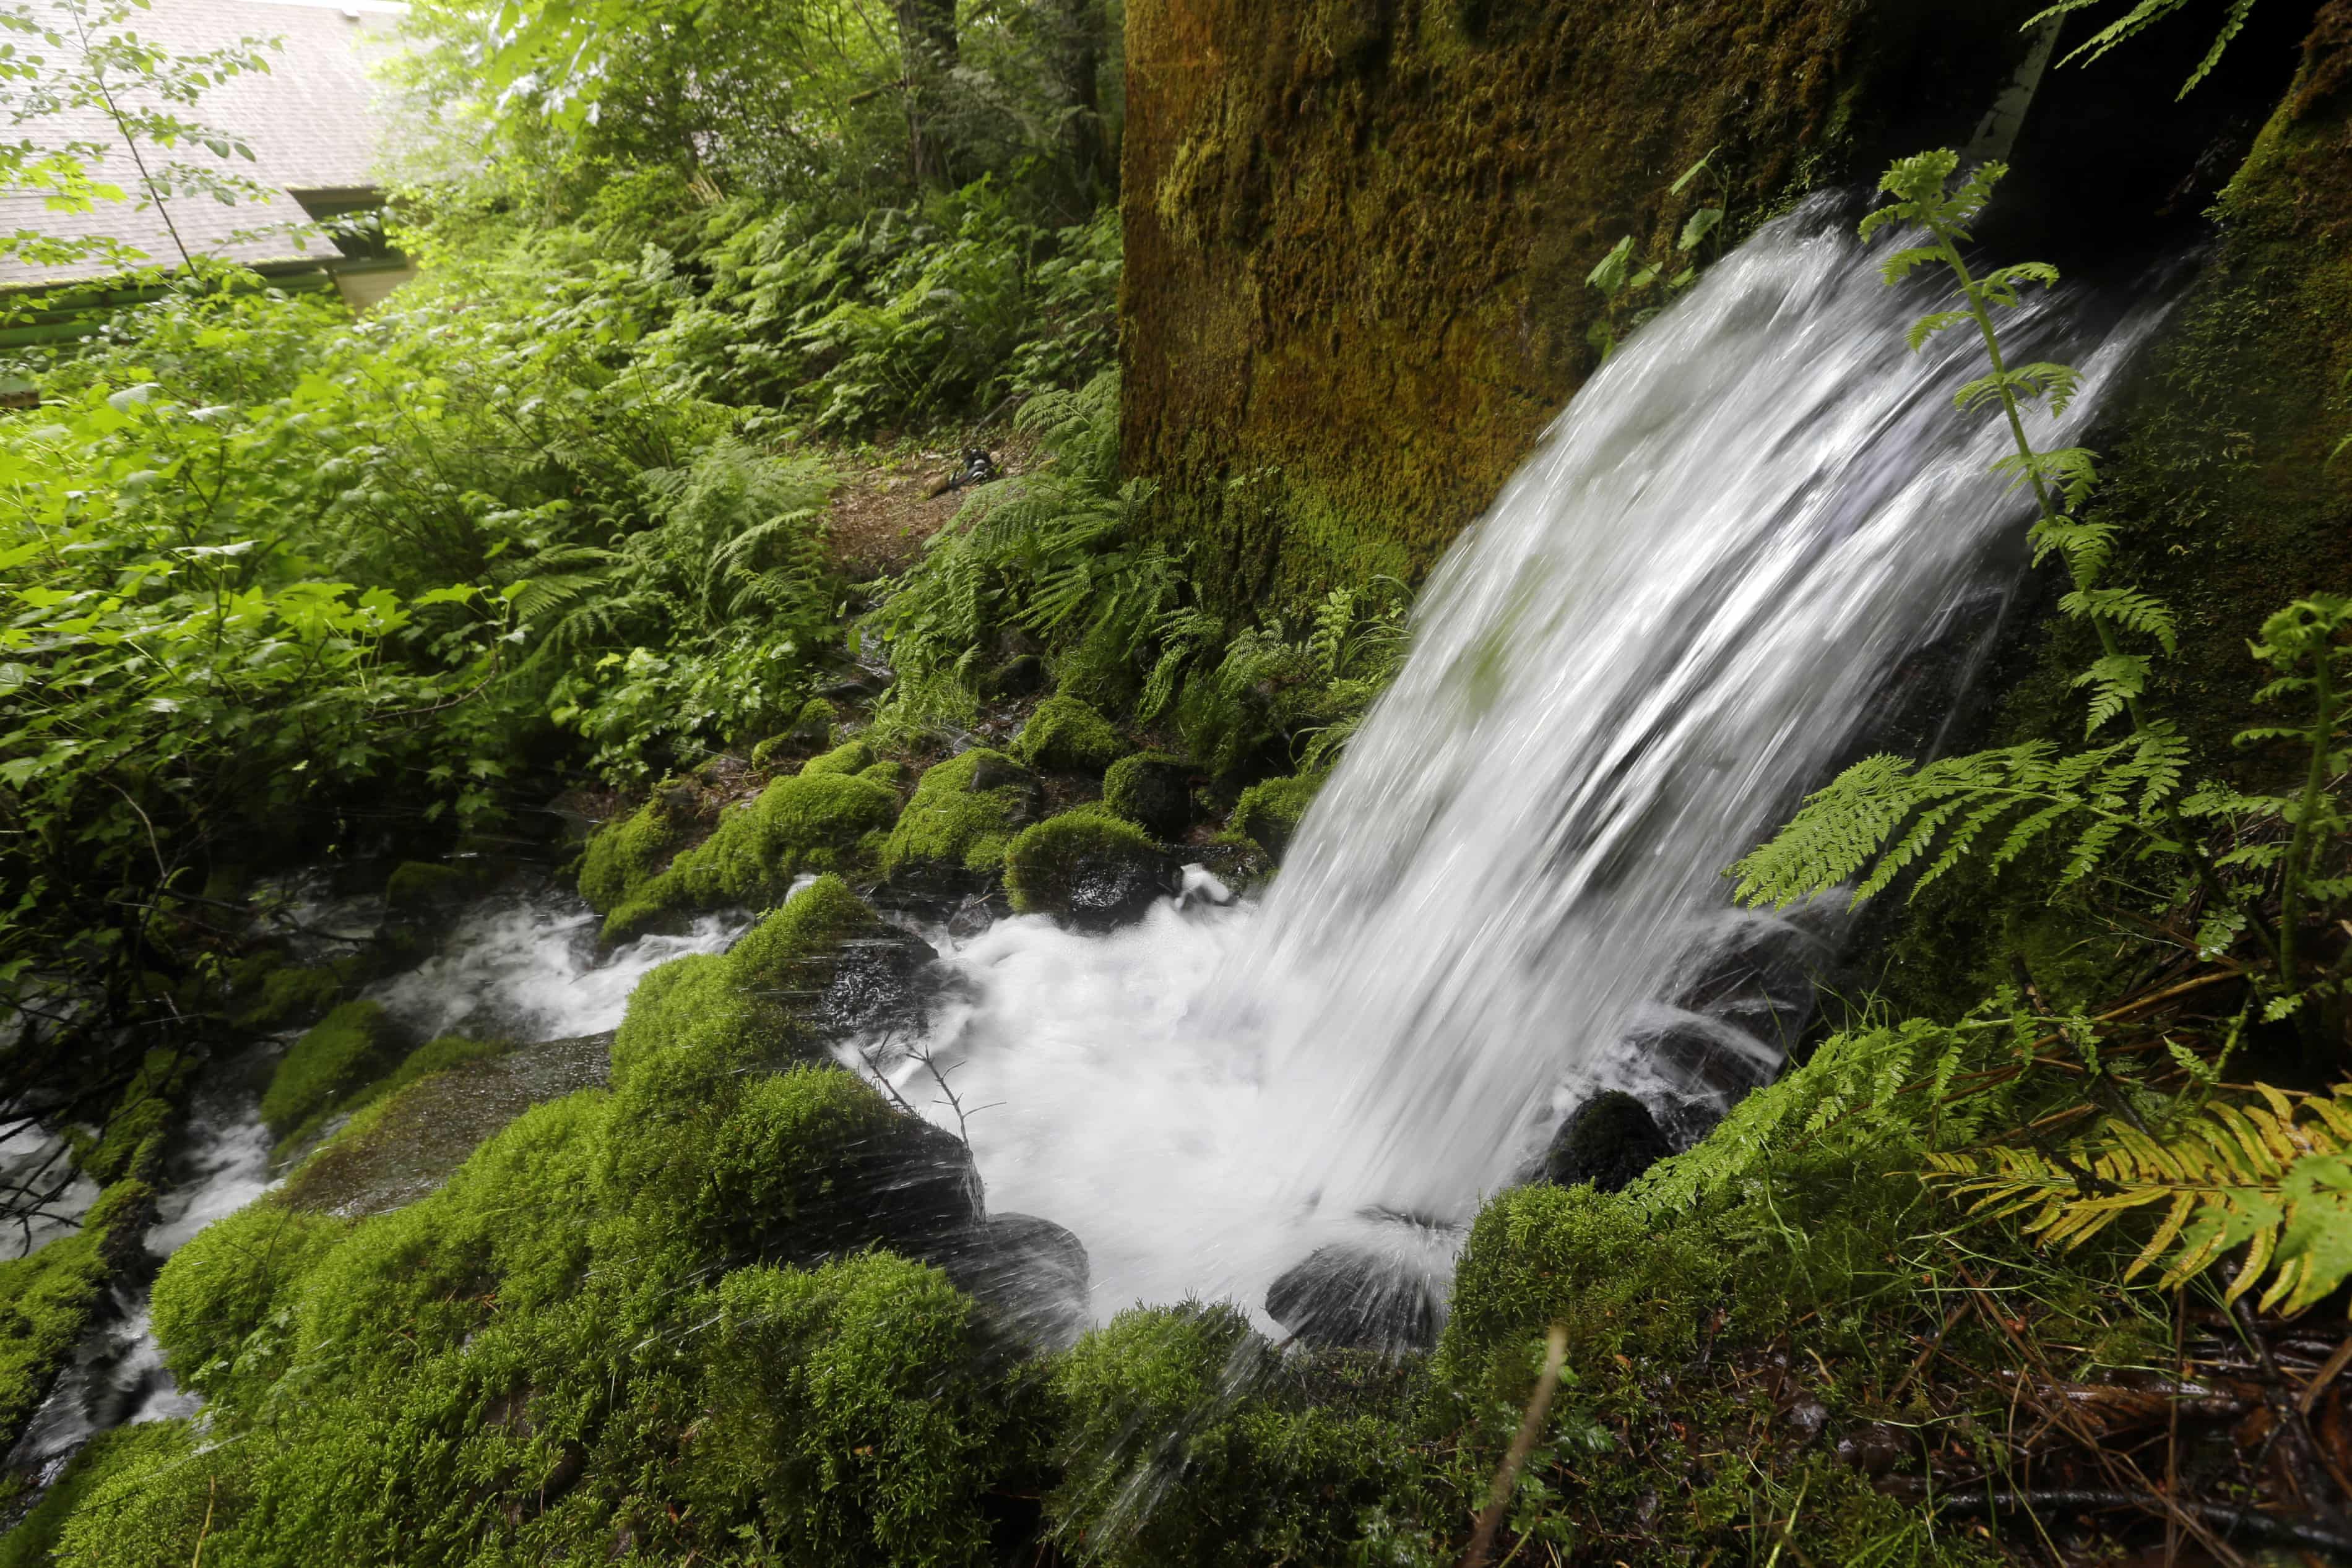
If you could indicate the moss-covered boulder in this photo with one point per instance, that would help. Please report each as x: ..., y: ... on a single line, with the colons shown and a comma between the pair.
x: 812, y: 731
x: 1185, y: 1406
x: 1065, y: 735
x: 216, y: 1293
x: 133, y: 1140
x: 826, y: 821
x: 850, y: 757
x: 421, y: 887
x: 1153, y: 790
x: 1268, y: 814
x: 626, y: 854
x: 127, y: 1500
x: 47, y: 1298
x: 963, y: 815
x: 337, y: 1056
x: 287, y: 997
x: 1086, y: 866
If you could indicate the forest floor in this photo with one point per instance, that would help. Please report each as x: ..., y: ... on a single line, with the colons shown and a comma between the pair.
x: 892, y: 500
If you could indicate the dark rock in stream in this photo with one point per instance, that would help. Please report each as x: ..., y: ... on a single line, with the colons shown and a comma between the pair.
x: 1030, y: 1273
x: 878, y: 984
x: 1608, y: 1141
x: 1349, y: 1297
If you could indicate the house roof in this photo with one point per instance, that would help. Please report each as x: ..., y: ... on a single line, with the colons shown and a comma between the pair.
x: 314, y: 122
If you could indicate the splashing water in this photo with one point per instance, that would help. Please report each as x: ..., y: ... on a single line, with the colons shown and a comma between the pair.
x: 1675, y: 617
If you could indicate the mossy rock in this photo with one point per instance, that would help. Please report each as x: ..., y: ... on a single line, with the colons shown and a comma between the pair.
x: 237, y: 1275
x: 1153, y: 790
x: 1266, y: 1473
x: 1086, y: 866
x: 421, y: 887
x: 1606, y: 1143
x: 850, y: 757
x: 122, y: 1472
x: 132, y: 1141
x: 1065, y: 735
x: 812, y: 731
x: 338, y: 1055
x: 626, y: 854
x: 1023, y: 675
x: 964, y: 816
x: 289, y: 998
x: 888, y: 774
x: 809, y: 822
x: 47, y: 1298
x: 1268, y: 814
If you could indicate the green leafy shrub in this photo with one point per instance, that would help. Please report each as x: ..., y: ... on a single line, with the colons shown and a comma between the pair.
x: 1065, y: 735
x: 338, y: 1055
x: 961, y: 818
x: 808, y: 823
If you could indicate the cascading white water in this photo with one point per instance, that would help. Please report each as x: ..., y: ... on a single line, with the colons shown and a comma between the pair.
x: 1671, y: 621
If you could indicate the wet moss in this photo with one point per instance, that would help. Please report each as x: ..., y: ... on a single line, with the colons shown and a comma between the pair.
x: 1066, y: 735
x: 809, y: 822
x: 47, y: 1299
x: 962, y: 817
x: 1268, y: 813
x: 222, y: 1305
x: 338, y: 1055
x: 850, y: 757
x: 626, y: 854
x: 132, y: 1141
x: 1151, y: 790
x: 812, y: 731
x: 286, y: 998
x: 1187, y: 1444
x: 125, y: 1501
x: 1358, y: 236
x: 1086, y: 860
x: 418, y: 887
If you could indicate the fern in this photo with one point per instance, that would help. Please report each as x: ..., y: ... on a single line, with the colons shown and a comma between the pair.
x: 2272, y: 1176
x: 2143, y: 15
x: 1883, y: 816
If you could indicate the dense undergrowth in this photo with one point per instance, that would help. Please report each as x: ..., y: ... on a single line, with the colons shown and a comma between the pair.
x: 2044, y: 1276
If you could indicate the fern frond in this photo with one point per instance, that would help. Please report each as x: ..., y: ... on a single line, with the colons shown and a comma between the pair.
x: 2272, y: 1174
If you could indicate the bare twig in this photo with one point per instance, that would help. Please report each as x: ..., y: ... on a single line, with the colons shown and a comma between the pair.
x: 1506, y: 1479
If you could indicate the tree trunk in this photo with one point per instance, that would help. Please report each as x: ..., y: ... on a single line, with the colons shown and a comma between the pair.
x: 1075, y: 51
x: 929, y: 46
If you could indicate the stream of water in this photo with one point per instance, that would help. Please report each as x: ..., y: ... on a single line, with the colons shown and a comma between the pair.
x: 1696, y: 594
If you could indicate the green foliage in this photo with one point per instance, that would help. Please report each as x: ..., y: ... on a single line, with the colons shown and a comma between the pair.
x: 338, y: 1055
x: 105, y: 1464
x: 1622, y: 279
x: 290, y: 997
x: 961, y: 818
x: 1044, y: 864
x: 1065, y: 735
x: 2272, y: 1178
x: 2144, y: 14
x: 808, y: 823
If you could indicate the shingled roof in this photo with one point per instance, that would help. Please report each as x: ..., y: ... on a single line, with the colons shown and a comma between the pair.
x: 313, y: 121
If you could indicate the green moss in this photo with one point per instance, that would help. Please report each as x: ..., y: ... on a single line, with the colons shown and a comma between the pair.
x: 132, y: 1141
x: 47, y: 1298
x: 846, y: 1417
x: 1186, y: 1445
x: 285, y: 998
x: 1045, y: 866
x: 1151, y: 790
x: 885, y: 773
x: 108, y: 1493
x: 812, y: 730
x: 338, y: 1055
x: 962, y: 817
x: 221, y: 1306
x: 418, y: 887
x: 850, y: 757
x: 1268, y: 814
x: 626, y: 854
x: 791, y: 952
x: 1066, y: 735
x: 811, y: 822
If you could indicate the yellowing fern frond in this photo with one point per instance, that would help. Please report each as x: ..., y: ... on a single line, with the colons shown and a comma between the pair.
x: 2272, y: 1174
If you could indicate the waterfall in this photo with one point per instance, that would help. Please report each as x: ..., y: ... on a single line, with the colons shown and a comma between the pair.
x: 1680, y: 613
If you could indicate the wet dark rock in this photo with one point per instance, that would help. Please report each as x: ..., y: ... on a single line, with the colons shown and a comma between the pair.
x: 916, y: 1191
x: 1090, y: 868
x: 1153, y: 791
x: 878, y: 983
x: 1031, y: 1274
x: 1762, y: 984
x: 1026, y: 675
x: 1712, y: 1065
x: 1608, y: 1141
x: 1356, y: 1298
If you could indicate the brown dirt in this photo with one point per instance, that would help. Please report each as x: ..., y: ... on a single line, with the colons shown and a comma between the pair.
x: 891, y: 505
